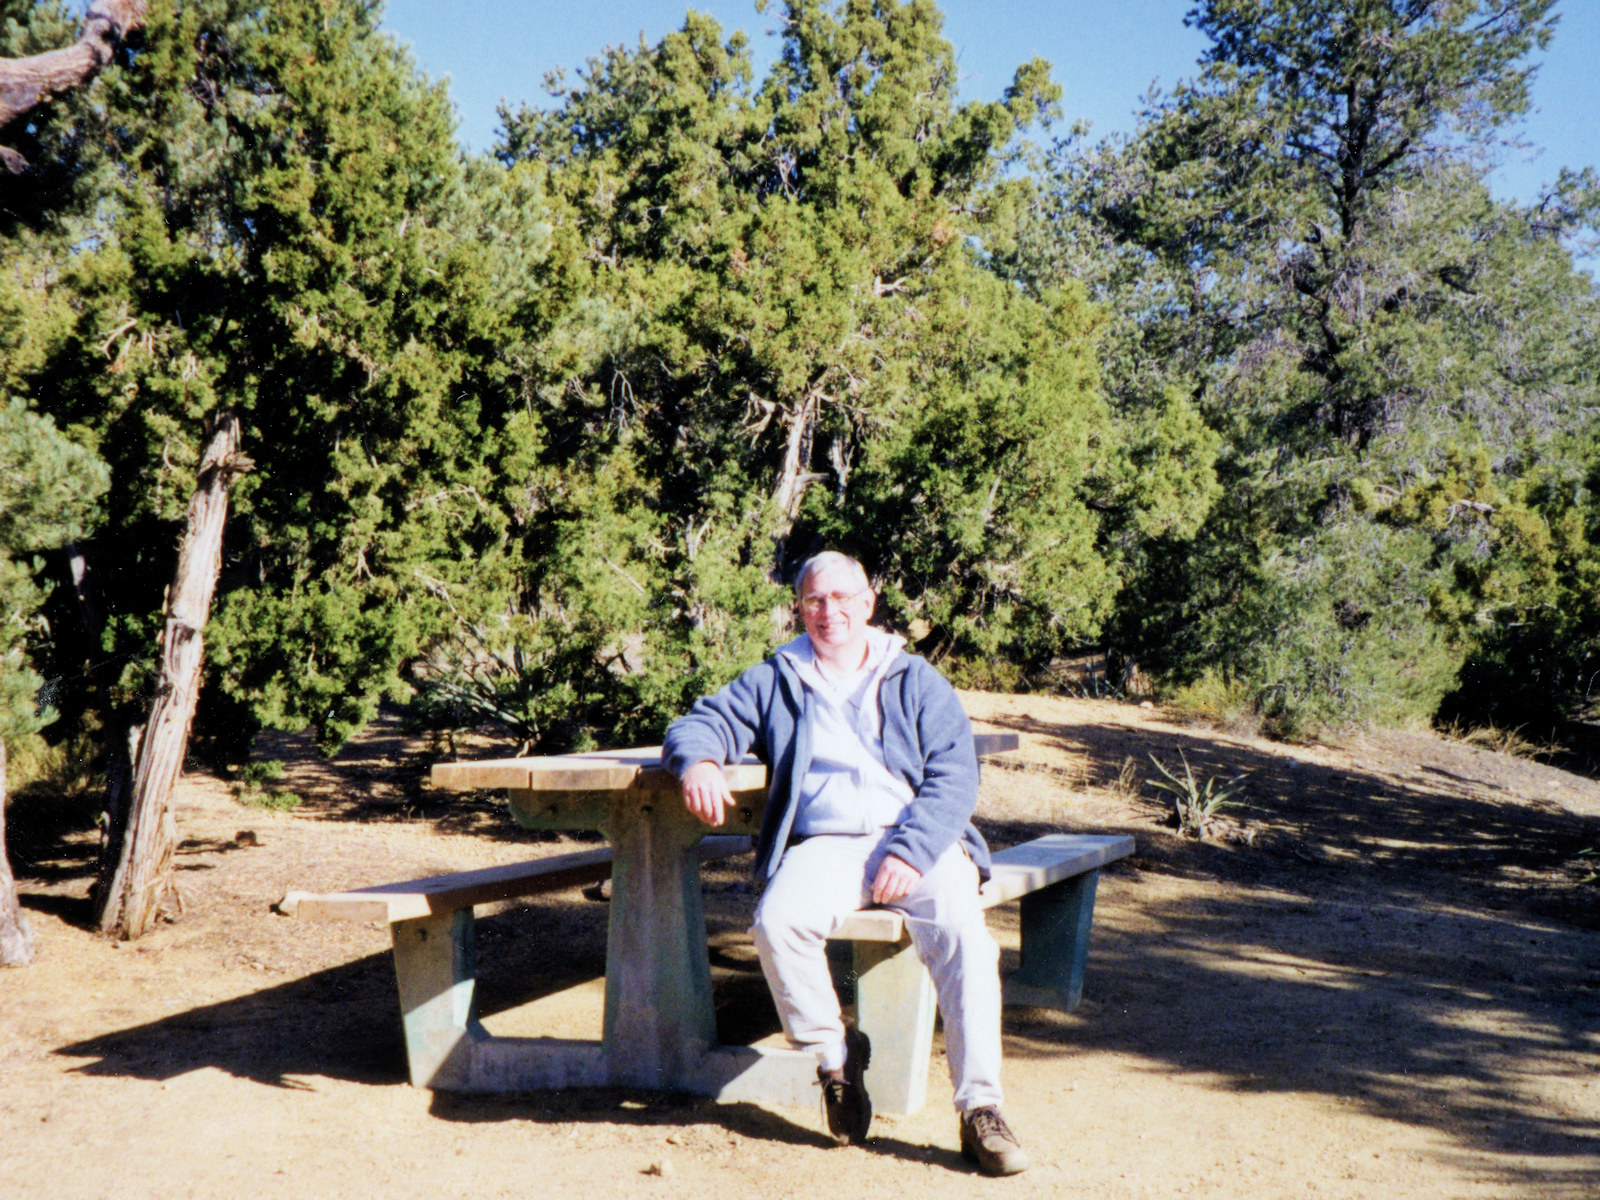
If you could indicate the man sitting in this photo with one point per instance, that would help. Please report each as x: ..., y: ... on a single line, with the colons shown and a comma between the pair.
x: 873, y: 781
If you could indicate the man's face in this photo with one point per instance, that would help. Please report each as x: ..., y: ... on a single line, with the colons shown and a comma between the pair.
x: 835, y: 608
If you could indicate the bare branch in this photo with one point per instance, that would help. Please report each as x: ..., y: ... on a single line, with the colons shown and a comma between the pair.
x: 28, y: 83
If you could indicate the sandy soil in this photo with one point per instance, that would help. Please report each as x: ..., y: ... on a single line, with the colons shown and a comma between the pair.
x: 1381, y: 981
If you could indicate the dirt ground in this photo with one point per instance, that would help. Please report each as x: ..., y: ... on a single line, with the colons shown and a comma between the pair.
x: 1380, y: 981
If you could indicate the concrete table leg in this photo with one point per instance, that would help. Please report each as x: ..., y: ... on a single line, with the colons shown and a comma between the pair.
x: 659, y: 1016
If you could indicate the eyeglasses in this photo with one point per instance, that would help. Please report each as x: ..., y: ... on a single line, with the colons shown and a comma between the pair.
x: 814, y: 604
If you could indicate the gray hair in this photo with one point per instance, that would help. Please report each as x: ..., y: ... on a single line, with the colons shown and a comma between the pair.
x: 829, y: 558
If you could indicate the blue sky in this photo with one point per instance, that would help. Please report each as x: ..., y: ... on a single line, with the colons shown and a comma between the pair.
x: 1105, y: 54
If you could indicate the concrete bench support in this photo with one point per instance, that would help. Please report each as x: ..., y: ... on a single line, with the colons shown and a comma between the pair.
x: 1055, y: 944
x: 435, y: 969
x: 895, y: 1005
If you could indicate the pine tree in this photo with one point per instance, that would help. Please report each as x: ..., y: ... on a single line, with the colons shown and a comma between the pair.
x: 1302, y: 239
x: 50, y: 488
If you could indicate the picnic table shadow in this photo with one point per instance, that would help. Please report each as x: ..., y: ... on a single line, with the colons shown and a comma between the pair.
x: 651, y: 1109
x: 343, y: 1023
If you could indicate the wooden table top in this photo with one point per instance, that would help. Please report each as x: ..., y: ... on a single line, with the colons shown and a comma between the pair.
x: 638, y: 769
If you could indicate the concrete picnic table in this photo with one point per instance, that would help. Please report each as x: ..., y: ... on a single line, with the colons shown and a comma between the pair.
x: 660, y: 1026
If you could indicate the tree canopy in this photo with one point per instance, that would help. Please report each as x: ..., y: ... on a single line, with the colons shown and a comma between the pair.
x: 1271, y: 397
x: 1302, y: 238
x: 792, y: 336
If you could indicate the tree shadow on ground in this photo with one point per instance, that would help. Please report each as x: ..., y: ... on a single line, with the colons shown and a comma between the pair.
x: 54, y: 842
x: 624, y: 1106
x: 52, y: 838
x: 1438, y: 829
x: 1461, y: 963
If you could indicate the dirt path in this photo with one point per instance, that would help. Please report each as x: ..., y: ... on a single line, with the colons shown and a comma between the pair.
x: 1392, y: 991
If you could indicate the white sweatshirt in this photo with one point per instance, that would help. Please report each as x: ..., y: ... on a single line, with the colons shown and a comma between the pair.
x: 848, y: 789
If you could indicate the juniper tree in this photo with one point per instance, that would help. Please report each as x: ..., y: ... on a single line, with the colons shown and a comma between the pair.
x: 804, y: 343
x: 33, y: 73
x: 265, y: 225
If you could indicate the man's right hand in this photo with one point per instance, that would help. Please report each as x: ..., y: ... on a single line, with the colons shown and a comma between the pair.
x: 705, y: 791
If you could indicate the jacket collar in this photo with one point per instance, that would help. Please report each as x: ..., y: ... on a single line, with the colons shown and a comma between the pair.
x: 787, y: 657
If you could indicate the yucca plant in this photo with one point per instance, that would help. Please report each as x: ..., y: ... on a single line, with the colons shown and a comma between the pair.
x: 1197, y: 803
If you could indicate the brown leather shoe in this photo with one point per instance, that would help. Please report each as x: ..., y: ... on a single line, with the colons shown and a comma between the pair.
x: 987, y: 1140
x: 845, y: 1103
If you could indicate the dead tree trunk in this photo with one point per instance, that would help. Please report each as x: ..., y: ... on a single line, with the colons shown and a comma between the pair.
x: 141, y: 885
x: 793, y: 474
x: 27, y: 83
x: 121, y: 750
x: 16, y: 935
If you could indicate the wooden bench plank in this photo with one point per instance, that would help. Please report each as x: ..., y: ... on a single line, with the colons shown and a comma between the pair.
x: 392, y: 902
x: 870, y: 925
x: 1034, y: 865
x: 597, y: 771
x: 1018, y: 870
x: 437, y: 894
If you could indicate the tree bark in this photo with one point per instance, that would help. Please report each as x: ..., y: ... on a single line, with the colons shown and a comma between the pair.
x: 28, y: 83
x: 793, y: 474
x: 141, y: 888
x: 16, y: 935
x: 121, y: 750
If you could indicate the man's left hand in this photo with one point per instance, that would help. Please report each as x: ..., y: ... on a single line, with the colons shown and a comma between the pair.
x: 895, y: 880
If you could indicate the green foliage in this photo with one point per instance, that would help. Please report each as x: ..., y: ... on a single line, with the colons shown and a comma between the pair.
x: 1301, y: 241
x: 1214, y: 697
x: 51, y: 483
x: 50, y: 490
x: 1273, y: 396
x: 1523, y: 589
x: 793, y: 339
x: 261, y: 771
x: 264, y: 214
x: 253, y: 787
x: 270, y: 801
x: 985, y: 674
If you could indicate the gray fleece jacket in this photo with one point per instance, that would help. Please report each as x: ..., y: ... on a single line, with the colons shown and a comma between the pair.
x: 927, y: 741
